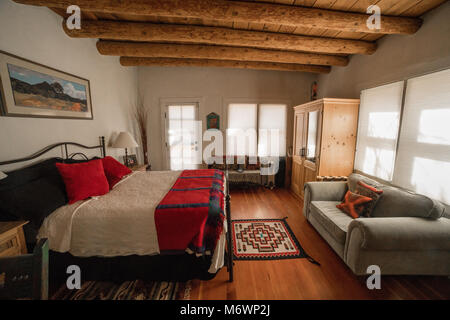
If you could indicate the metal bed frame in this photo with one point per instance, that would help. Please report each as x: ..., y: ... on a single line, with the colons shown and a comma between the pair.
x: 102, y: 147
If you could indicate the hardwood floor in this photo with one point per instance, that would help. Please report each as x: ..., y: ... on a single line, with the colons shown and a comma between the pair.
x: 298, y: 278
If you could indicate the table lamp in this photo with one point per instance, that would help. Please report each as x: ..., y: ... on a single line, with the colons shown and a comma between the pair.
x: 125, y: 140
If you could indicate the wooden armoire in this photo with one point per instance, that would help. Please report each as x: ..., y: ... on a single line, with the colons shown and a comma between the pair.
x: 324, y: 140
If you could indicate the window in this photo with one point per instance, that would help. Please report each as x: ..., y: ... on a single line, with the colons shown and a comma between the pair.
x: 420, y: 161
x: 379, y: 120
x: 272, y: 130
x: 256, y: 130
x: 423, y: 162
x: 241, y: 133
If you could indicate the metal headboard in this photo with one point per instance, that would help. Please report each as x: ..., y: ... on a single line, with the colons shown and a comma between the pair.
x: 67, y: 155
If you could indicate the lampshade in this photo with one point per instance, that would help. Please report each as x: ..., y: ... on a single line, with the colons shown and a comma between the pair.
x: 125, y: 140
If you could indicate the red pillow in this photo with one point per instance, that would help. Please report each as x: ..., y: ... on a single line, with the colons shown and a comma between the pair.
x: 114, y: 170
x: 353, y: 204
x: 83, y: 180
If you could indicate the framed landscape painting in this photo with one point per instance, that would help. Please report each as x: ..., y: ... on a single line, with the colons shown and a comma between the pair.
x: 29, y: 89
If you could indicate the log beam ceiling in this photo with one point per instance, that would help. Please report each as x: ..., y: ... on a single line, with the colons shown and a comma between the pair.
x: 137, y: 61
x: 239, y: 11
x: 189, y: 51
x: 151, y: 32
x: 145, y: 43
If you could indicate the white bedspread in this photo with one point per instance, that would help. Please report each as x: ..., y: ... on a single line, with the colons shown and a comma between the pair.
x: 119, y: 223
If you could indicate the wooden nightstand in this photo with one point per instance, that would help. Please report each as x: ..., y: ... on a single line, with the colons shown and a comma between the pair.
x: 139, y: 167
x: 12, y: 239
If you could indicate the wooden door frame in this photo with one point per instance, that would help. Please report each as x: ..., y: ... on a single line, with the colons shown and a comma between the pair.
x: 163, y: 104
x: 319, y: 108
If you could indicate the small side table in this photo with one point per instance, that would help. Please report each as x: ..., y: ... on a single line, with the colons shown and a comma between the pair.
x: 139, y: 167
x: 331, y: 178
x: 245, y: 177
x: 12, y: 239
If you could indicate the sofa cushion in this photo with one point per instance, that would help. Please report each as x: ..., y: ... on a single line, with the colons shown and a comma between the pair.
x: 332, y: 219
x: 396, y: 202
x: 354, y: 178
x: 371, y: 192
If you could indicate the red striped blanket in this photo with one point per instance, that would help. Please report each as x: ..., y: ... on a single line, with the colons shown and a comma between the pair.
x: 191, y: 214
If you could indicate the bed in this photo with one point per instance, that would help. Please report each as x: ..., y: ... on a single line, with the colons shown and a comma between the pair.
x: 119, y: 236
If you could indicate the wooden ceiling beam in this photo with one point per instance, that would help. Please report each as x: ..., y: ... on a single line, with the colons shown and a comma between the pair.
x: 239, y: 11
x: 171, y: 62
x: 150, y: 32
x: 189, y: 51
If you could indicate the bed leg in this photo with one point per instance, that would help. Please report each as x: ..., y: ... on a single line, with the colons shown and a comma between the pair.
x: 229, y: 241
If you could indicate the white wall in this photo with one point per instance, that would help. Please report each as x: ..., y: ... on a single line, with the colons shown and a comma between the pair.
x: 36, y: 34
x: 214, y: 87
x: 398, y: 57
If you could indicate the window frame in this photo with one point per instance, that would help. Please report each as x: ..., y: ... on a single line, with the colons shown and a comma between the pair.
x: 163, y: 103
x: 226, y: 102
x: 404, y: 82
x: 402, y: 112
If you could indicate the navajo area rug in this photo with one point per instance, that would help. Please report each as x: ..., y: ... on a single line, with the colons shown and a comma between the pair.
x: 265, y: 239
x: 128, y: 290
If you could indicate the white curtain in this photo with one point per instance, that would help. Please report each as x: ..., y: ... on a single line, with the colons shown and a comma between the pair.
x: 423, y: 162
x: 241, y: 132
x: 379, y: 119
x: 272, y: 130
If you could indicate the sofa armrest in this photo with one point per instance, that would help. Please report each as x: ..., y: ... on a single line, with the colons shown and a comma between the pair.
x: 404, y: 245
x: 322, y: 191
x: 404, y: 233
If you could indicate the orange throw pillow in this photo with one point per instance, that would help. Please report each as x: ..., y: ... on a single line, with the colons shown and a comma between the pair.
x: 362, y: 184
x: 353, y: 204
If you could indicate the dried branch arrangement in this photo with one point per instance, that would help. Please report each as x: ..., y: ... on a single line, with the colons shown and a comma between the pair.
x: 141, y: 116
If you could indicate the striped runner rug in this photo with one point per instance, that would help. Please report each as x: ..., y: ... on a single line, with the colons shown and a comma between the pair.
x: 128, y: 290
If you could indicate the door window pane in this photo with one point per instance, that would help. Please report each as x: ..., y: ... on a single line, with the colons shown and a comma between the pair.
x: 183, y: 137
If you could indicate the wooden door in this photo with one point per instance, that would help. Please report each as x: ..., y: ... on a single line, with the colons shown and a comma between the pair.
x: 182, y: 136
x: 298, y: 153
x: 340, y: 123
x: 313, y: 119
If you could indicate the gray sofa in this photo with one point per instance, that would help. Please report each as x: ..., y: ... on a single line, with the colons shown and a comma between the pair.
x: 408, y: 233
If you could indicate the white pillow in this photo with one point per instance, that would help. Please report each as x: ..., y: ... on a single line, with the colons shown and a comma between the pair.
x: 2, y: 175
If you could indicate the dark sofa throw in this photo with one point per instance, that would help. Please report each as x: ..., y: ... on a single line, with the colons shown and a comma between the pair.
x: 32, y: 193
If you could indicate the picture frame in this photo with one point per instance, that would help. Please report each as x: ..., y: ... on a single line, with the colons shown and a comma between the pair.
x: 314, y: 88
x: 30, y: 89
x: 132, y: 160
x: 213, y: 121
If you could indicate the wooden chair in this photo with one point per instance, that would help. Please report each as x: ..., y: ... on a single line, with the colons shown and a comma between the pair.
x: 25, y: 276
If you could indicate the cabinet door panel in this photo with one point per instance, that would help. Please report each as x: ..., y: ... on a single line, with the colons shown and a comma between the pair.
x: 310, y: 175
x: 299, y: 132
x: 294, y: 180
x: 297, y: 177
